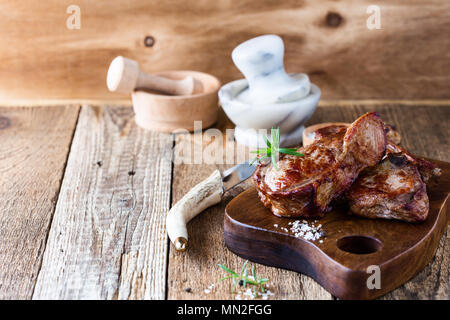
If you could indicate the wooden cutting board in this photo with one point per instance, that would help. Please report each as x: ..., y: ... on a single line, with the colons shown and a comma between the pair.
x: 340, y: 263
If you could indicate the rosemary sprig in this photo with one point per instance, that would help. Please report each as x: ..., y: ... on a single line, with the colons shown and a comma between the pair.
x: 258, y: 283
x: 273, y: 149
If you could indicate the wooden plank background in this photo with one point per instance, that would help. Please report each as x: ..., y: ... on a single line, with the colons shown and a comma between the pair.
x: 407, y: 59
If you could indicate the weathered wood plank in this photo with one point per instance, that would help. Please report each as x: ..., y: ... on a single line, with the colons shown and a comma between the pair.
x: 108, y: 239
x: 34, y: 144
x: 425, y: 132
x: 406, y: 59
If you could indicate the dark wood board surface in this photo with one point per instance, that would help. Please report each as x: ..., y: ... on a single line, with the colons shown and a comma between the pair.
x: 340, y: 261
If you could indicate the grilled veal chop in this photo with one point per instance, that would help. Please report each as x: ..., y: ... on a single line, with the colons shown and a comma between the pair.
x: 426, y: 168
x: 305, y: 186
x: 393, y: 189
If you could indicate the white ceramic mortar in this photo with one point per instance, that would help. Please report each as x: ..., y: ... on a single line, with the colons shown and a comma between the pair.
x: 268, y: 97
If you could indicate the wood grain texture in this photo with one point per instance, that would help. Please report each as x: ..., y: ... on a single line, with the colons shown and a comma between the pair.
x: 108, y: 239
x: 34, y: 144
x: 340, y: 260
x: 406, y: 59
x: 424, y: 131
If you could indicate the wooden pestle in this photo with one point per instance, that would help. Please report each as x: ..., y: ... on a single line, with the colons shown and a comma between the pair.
x: 124, y: 76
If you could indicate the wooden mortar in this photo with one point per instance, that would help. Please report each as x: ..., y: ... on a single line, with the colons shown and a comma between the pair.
x: 165, y: 113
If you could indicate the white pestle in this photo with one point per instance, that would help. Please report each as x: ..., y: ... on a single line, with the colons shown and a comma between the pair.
x: 261, y: 62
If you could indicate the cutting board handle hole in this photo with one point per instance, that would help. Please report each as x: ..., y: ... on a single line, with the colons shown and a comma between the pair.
x: 359, y: 244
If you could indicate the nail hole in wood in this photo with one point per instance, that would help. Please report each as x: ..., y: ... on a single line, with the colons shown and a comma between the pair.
x: 149, y: 41
x: 4, y: 123
x: 333, y: 19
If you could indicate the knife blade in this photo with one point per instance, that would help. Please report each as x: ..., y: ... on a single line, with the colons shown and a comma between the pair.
x: 235, y: 175
x: 204, y: 195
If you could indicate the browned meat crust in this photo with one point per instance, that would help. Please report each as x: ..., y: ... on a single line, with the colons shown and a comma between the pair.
x: 426, y: 168
x: 305, y: 186
x: 392, y: 135
x: 394, y: 189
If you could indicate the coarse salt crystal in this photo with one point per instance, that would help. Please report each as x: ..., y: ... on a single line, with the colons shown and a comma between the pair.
x: 248, y: 293
x: 266, y: 294
x: 309, y: 236
x: 301, y: 229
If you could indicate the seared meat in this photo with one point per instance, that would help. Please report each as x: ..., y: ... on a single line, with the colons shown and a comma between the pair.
x: 392, y: 135
x: 327, y: 131
x: 305, y: 186
x: 393, y: 189
x: 426, y: 168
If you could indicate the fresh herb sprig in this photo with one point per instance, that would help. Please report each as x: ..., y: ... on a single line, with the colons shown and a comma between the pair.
x: 273, y: 150
x: 257, y: 282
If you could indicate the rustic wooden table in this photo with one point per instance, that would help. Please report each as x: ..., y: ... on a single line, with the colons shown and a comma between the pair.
x: 84, y: 193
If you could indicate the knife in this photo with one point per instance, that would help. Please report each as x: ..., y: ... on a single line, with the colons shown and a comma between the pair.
x: 204, y: 195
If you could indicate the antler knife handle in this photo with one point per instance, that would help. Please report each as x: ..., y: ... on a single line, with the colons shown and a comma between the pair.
x: 204, y: 195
